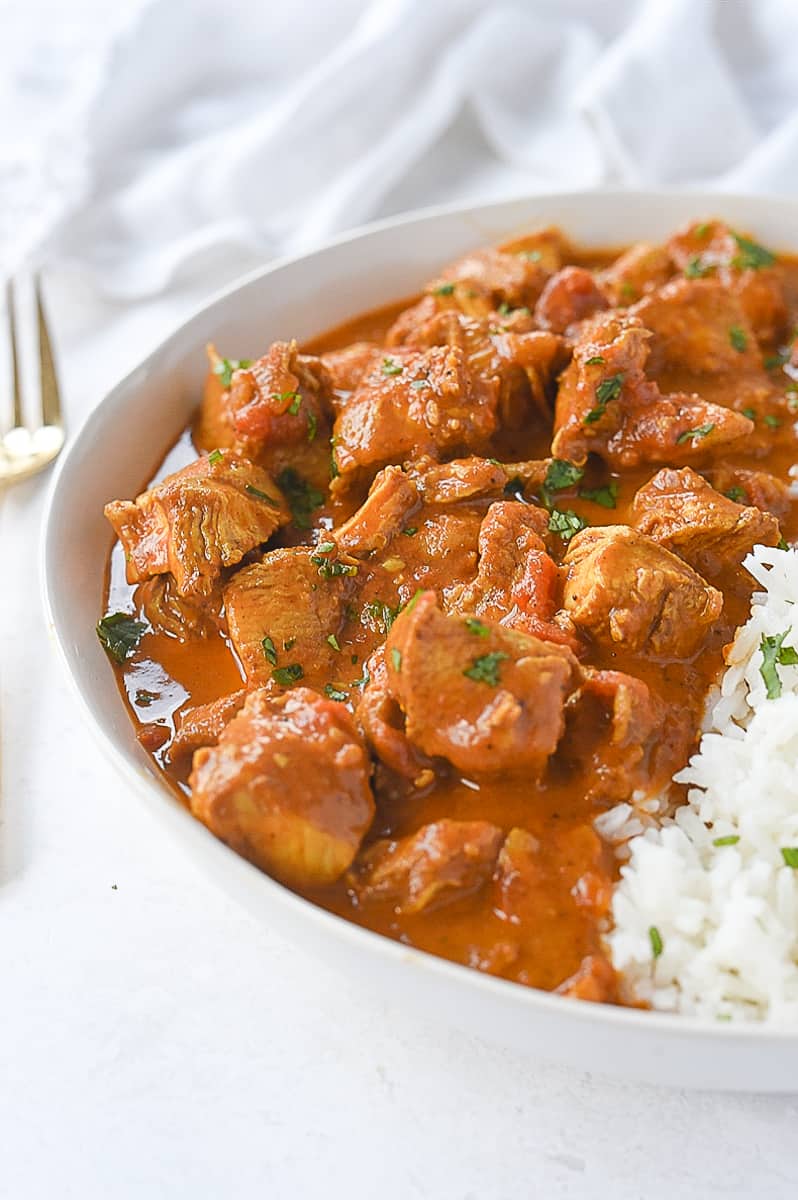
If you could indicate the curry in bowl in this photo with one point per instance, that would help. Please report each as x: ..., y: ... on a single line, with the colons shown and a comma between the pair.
x: 411, y: 609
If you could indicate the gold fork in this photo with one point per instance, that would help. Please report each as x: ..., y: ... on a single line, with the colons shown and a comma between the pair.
x: 25, y: 451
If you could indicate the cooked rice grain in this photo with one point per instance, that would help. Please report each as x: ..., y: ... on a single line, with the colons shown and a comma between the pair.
x: 726, y: 914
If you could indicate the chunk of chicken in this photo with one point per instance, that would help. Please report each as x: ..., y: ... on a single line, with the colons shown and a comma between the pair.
x: 622, y: 587
x: 748, y: 486
x: 282, y: 610
x: 198, y: 521
x: 607, y: 405
x: 575, y: 856
x: 281, y: 399
x: 745, y: 269
x: 382, y: 721
x: 346, y: 367
x: 641, y: 269
x: 182, y: 617
x: 441, y: 862
x: 486, y: 698
x: 202, y: 725
x: 681, y: 511
x: 386, y: 511
x: 517, y: 583
x: 515, y: 279
x: 568, y: 297
x: 595, y: 980
x: 427, y: 403
x: 287, y: 786
x: 460, y: 479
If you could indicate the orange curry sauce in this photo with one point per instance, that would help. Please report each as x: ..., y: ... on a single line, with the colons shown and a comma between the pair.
x: 165, y: 677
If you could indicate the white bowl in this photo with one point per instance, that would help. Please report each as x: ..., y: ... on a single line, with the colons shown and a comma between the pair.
x: 114, y: 455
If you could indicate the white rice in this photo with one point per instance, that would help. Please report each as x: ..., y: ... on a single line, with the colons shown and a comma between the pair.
x: 726, y: 916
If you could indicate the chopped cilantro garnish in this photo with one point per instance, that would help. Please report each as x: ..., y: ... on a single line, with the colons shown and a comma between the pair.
x: 144, y: 698
x: 737, y: 494
x: 445, y: 289
x: 485, y: 669
x: 296, y: 402
x: 259, y: 495
x: 701, y: 231
x: 396, y: 658
x: 609, y: 389
x: 782, y: 545
x: 389, y: 367
x: 790, y: 856
x: 214, y: 457
x: 751, y: 255
x: 774, y: 654
x: 285, y: 676
x: 332, y: 640
x: 627, y: 291
x: 594, y: 361
x: 731, y: 839
x: 335, y: 693
x: 312, y: 425
x: 269, y: 651
x: 606, y: 495
x: 695, y: 268
x: 379, y: 616
x: 738, y: 338
x: 410, y: 530
x: 364, y: 678
x: 771, y: 421
x: 331, y: 570
x: 289, y: 643
x: 120, y: 634
x: 655, y: 937
x: 225, y: 367
x: 560, y: 475
x: 479, y: 628
x: 413, y: 601
x: 776, y: 360
x: 325, y: 547
x: 301, y: 496
x: 701, y: 431
x: 566, y: 523
x: 750, y: 413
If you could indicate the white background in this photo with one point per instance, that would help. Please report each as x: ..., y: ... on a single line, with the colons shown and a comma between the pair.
x: 154, y: 1040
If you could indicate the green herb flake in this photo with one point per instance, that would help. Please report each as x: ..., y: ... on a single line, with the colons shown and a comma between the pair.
x: 750, y: 413
x: 561, y: 474
x: 396, y: 658
x: 771, y: 421
x: 289, y: 643
x: 214, y: 457
x: 695, y: 435
x: 790, y: 856
x: 379, y: 616
x: 301, y: 496
x: 225, y: 367
x: 782, y: 545
x: 332, y: 640
x: 609, y: 389
x: 772, y: 361
x: 411, y: 604
x: 595, y: 361
x: 120, y: 634
x: 655, y: 937
x: 332, y: 570
x: 295, y: 404
x: 774, y: 654
x: 738, y: 339
x: 737, y: 494
x: 566, y: 523
x: 751, y: 255
x: 731, y: 839
x: 410, y: 530
x: 389, y: 367
x: 606, y: 495
x: 701, y: 231
x: 143, y: 698
x: 269, y: 651
x: 627, y: 291
x: 364, y: 678
x: 445, y: 289
x: 313, y: 425
x: 478, y: 628
x: 325, y: 547
x: 285, y: 676
x: 259, y: 495
x: 485, y: 669
x: 695, y: 268
x: 334, y: 693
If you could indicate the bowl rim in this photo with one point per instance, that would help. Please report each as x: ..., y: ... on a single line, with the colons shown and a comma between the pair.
x: 185, y: 829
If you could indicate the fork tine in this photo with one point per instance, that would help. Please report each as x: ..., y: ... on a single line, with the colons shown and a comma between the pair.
x: 16, y: 390
x: 51, y: 396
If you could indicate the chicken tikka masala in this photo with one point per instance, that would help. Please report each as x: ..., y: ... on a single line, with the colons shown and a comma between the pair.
x: 409, y: 607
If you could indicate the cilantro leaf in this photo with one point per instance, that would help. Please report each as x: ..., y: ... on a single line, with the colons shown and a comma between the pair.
x: 566, y: 523
x: 225, y: 367
x: 120, y: 634
x: 485, y: 668
x: 285, y: 676
x: 773, y: 656
x: 609, y: 389
x: 301, y: 496
x: 696, y: 434
x: 751, y: 255
x: 606, y: 495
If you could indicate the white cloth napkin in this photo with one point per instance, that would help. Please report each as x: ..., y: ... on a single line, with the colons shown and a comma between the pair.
x: 201, y: 138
